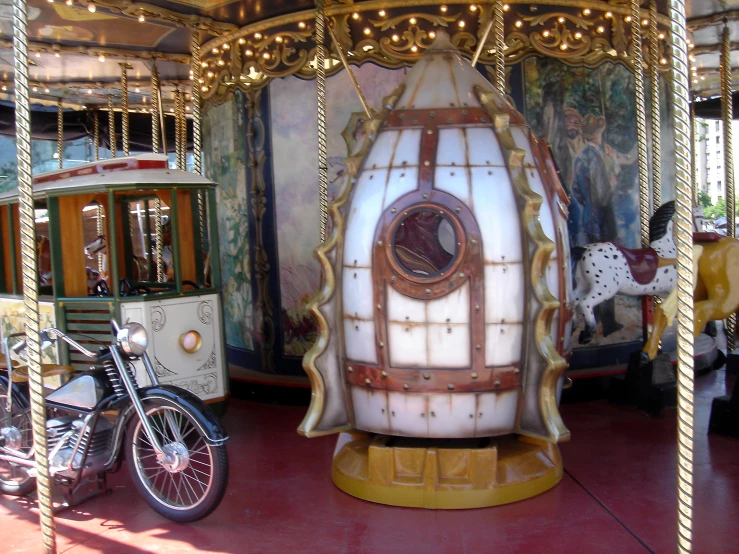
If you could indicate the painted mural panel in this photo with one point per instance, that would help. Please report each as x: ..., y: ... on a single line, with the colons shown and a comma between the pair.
x: 12, y: 320
x: 225, y: 163
x: 589, y: 118
x: 293, y: 122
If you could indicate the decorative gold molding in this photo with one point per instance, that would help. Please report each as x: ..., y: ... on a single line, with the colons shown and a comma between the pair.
x: 97, y: 51
x: 135, y: 10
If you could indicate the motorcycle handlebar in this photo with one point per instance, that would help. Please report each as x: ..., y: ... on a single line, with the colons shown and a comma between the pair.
x: 47, y: 334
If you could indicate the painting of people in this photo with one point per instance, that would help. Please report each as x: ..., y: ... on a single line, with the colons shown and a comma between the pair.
x: 588, y: 116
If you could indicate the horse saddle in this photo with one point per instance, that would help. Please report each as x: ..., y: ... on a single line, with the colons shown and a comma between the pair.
x: 707, y: 237
x: 643, y: 263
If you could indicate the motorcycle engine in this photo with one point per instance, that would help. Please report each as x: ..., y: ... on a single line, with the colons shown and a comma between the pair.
x: 66, y: 430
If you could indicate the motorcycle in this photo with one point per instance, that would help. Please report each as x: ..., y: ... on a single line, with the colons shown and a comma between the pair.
x: 173, y: 444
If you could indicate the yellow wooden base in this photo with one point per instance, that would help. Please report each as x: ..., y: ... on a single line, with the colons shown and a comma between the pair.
x: 441, y: 474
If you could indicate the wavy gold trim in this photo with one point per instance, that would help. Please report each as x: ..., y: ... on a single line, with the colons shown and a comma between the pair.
x: 309, y: 426
x: 537, y: 272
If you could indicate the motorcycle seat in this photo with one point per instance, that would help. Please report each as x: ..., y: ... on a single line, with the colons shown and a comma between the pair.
x: 50, y: 373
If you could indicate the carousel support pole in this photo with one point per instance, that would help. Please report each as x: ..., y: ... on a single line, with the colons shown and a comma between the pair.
x: 111, y: 127
x: 694, y: 153
x: 684, y: 241
x: 100, y: 231
x: 96, y: 134
x: 180, y: 114
x: 499, y: 47
x: 155, y: 103
x: 30, y: 272
x: 322, y: 140
x: 124, y: 107
x: 158, y: 232
x: 349, y: 72
x: 641, y: 117
x: 727, y: 115
x: 197, y: 141
x: 656, y: 116
x: 60, y: 132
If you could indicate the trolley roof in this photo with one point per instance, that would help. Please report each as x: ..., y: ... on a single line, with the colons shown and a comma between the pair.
x: 149, y: 170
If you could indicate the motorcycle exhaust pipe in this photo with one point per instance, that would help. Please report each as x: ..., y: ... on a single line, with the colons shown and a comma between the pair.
x: 19, y: 461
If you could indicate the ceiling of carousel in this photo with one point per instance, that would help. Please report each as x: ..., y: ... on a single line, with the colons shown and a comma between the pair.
x: 76, y: 47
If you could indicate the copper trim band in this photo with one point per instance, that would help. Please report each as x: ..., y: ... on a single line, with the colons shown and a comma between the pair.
x: 488, y: 379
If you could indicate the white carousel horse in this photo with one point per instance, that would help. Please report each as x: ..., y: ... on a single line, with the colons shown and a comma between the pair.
x: 605, y: 269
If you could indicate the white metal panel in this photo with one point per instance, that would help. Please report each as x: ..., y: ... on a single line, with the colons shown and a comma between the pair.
x: 484, y: 148
x: 366, y: 208
x: 370, y: 409
x: 357, y: 292
x: 465, y: 79
x: 454, y: 180
x: 400, y: 182
x: 503, y: 344
x: 408, y: 414
x: 408, y: 149
x: 452, y: 415
x: 452, y: 147
x: 492, y: 193
x: 452, y: 308
x: 496, y: 413
x: 403, y: 308
x: 408, y: 346
x: 536, y: 184
x: 449, y: 345
x: 429, y: 85
x: 504, y: 293
x: 381, y: 151
x: 359, y: 341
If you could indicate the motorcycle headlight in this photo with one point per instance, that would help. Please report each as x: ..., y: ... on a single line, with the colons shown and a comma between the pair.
x: 132, y: 339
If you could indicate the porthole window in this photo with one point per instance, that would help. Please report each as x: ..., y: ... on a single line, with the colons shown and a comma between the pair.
x: 425, y: 243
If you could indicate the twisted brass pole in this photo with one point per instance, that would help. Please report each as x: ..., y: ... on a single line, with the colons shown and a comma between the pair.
x: 197, y: 144
x: 124, y: 107
x: 155, y: 101
x: 694, y: 153
x: 656, y: 116
x: 111, y: 127
x: 182, y: 139
x: 96, y: 134
x: 100, y: 229
x: 30, y: 271
x: 641, y: 117
x: 684, y: 238
x: 322, y: 140
x: 499, y: 47
x: 158, y: 231
x: 727, y: 114
x: 60, y: 133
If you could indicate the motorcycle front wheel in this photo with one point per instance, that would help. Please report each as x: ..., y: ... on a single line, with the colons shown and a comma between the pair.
x: 192, y: 483
x: 14, y: 479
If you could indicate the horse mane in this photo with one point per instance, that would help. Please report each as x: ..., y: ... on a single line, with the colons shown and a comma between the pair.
x: 660, y: 219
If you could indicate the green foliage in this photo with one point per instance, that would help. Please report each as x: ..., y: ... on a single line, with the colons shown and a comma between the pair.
x: 704, y: 200
x: 719, y: 210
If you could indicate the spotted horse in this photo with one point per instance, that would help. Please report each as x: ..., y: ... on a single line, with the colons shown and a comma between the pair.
x: 605, y: 269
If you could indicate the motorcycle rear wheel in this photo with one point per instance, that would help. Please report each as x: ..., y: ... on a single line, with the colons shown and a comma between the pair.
x: 14, y: 480
x: 190, y: 492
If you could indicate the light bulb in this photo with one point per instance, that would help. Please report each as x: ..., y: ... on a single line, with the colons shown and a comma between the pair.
x: 91, y: 8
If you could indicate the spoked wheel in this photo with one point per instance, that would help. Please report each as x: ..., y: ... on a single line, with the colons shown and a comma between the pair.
x: 190, y: 483
x: 18, y: 434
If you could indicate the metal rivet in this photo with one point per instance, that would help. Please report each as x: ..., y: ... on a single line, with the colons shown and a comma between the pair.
x: 371, y: 177
x: 449, y: 330
x: 450, y: 386
x: 428, y: 291
x: 367, y: 380
x: 461, y: 274
x: 379, y: 307
x: 451, y: 173
x: 472, y: 416
x: 407, y: 318
x: 405, y: 386
x: 350, y: 369
x: 457, y: 209
x: 393, y: 210
x: 496, y: 384
x: 426, y: 162
x: 473, y: 241
x: 393, y: 278
x: 355, y: 275
x: 427, y: 376
x: 464, y: 112
x: 393, y: 414
x: 423, y: 415
x: 490, y: 172
x: 477, y: 346
x: 480, y: 415
x: 404, y: 162
x: 433, y: 414
x: 384, y: 374
x: 441, y: 212
x: 474, y: 375
x: 382, y: 344
x: 429, y: 132
x: 516, y: 370
x: 382, y: 410
x: 477, y: 307
x: 379, y: 243
x: 448, y: 319
x: 425, y: 195
x: 356, y: 327
x: 407, y: 329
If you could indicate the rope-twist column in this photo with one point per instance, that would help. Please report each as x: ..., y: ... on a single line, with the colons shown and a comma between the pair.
x: 322, y: 140
x: 96, y: 135
x: 684, y: 240
x: 499, y: 46
x: 197, y: 142
x: 656, y: 115
x: 158, y: 232
x: 180, y: 114
x: 155, y: 103
x: 100, y: 229
x: 111, y: 127
x: 60, y: 132
x: 727, y: 115
x: 30, y: 272
x: 694, y: 153
x: 124, y: 107
x: 641, y: 117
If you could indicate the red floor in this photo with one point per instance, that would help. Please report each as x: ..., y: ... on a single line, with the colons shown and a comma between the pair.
x: 617, y: 496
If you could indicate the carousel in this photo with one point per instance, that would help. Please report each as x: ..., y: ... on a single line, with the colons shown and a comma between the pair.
x: 435, y: 215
